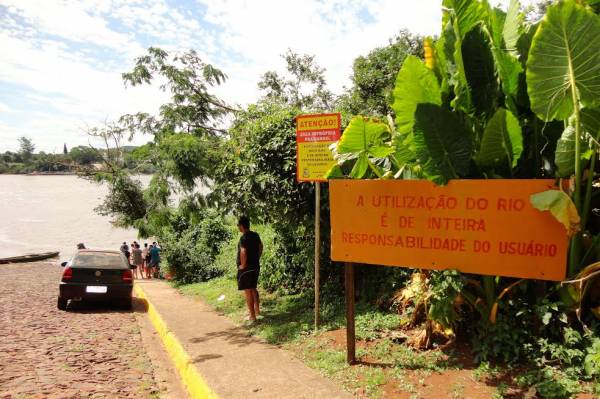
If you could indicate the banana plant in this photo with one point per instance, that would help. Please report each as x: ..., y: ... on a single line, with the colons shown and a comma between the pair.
x: 563, y: 80
x: 487, y: 103
x: 456, y: 115
x: 367, y: 141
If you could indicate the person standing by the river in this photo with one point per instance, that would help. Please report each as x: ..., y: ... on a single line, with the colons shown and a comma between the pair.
x: 155, y: 258
x: 250, y: 249
x: 146, y: 256
x: 125, y: 250
x: 138, y: 260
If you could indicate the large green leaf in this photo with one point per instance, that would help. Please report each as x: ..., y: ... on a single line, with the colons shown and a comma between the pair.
x: 444, y: 53
x: 502, y: 141
x: 523, y: 46
x: 335, y: 172
x: 590, y: 120
x: 564, y: 156
x: 415, y: 84
x: 363, y: 134
x: 360, y: 167
x: 565, y: 53
x: 461, y: 16
x: 403, y: 152
x: 565, y: 153
x: 362, y: 138
x: 505, y: 30
x: 468, y: 14
x: 381, y: 151
x: 560, y: 205
x: 509, y: 69
x: 443, y: 145
x: 511, y: 31
x: 480, y: 71
x: 495, y: 26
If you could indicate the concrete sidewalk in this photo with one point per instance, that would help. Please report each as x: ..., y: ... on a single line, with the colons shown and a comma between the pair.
x: 233, y: 364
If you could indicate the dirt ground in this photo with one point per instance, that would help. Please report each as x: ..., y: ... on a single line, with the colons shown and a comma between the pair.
x: 91, y: 351
x: 459, y: 382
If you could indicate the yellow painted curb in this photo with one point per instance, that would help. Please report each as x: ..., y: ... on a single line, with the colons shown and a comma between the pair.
x: 194, y: 382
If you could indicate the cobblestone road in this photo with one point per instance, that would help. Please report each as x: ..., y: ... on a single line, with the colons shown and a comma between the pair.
x: 92, y: 351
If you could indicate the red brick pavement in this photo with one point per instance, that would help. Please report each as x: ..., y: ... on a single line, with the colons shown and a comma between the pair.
x: 93, y: 351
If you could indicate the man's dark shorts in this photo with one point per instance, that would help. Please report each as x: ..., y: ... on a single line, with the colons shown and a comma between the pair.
x: 247, y: 278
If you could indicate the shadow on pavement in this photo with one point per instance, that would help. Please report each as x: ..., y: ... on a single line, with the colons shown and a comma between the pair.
x: 203, y: 358
x: 138, y: 305
x: 234, y: 335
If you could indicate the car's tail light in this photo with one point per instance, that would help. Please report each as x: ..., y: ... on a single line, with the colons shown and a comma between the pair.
x: 67, y: 274
x: 127, y: 276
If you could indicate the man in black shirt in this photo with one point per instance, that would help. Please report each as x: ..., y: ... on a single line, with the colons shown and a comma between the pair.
x: 248, y: 264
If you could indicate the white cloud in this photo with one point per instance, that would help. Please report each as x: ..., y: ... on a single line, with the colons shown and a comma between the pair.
x: 65, y: 83
x: 71, y: 21
x: 67, y: 55
x: 335, y: 31
x: 5, y: 108
x: 69, y: 87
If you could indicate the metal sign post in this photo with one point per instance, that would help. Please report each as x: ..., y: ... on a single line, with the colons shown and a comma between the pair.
x: 350, y: 332
x: 314, y: 134
x: 317, y: 251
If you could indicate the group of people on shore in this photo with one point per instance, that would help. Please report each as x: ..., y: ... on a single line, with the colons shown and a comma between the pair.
x: 146, y: 260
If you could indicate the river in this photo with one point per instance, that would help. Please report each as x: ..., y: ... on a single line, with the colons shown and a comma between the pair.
x: 54, y: 213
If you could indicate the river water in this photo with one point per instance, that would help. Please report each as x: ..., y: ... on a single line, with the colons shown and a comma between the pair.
x: 54, y: 213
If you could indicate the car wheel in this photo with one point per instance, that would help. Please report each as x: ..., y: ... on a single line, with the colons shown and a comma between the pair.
x: 61, y: 304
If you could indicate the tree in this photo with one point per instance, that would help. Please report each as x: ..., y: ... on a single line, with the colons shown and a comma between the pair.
x: 84, y: 155
x: 257, y: 178
x: 26, y: 148
x: 10, y: 156
x: 65, y: 151
x: 257, y: 174
x: 193, y: 108
x: 374, y: 75
x: 141, y: 159
x: 185, y: 132
x: 186, y: 128
x: 50, y: 163
x: 304, y: 87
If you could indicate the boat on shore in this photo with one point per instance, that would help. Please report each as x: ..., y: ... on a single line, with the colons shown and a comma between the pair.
x: 29, y: 257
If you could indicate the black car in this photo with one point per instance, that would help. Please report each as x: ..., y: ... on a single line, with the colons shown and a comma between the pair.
x: 96, y: 275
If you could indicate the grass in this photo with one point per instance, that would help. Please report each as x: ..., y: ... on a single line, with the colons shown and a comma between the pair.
x: 285, y: 318
x: 384, y: 364
x: 288, y: 322
x: 457, y: 390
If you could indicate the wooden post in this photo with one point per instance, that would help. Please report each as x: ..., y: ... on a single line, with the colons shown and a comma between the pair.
x: 350, y: 334
x: 317, y: 251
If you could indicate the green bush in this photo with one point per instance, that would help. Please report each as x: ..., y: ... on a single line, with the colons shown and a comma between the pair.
x: 272, y: 267
x: 191, y: 252
x: 225, y: 259
x: 444, y: 286
x: 507, y: 339
x: 258, y: 179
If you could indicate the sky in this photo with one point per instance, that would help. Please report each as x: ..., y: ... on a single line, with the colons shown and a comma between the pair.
x: 61, y: 62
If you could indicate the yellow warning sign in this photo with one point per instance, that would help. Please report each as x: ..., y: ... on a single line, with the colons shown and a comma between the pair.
x: 314, y: 135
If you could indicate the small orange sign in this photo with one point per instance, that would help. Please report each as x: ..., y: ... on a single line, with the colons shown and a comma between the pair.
x: 314, y: 135
x: 475, y: 226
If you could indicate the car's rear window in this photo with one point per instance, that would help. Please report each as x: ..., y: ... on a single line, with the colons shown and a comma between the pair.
x: 100, y: 260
